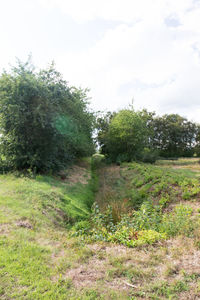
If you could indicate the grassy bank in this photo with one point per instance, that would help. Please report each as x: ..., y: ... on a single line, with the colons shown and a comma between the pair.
x: 52, y: 246
x: 35, y: 248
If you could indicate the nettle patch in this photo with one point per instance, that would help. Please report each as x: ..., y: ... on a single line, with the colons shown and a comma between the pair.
x: 153, y: 209
x: 148, y: 225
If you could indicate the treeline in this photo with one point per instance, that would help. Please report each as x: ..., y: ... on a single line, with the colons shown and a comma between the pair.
x: 141, y: 135
x: 44, y: 123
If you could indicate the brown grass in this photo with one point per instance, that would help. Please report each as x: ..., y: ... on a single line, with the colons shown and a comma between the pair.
x: 75, y: 174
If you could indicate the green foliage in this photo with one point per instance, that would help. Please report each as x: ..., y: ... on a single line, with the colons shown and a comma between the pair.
x: 38, y: 255
x: 169, y: 291
x: 45, y: 124
x: 35, y: 212
x: 124, y: 135
x: 145, y: 226
x: 178, y: 222
x: 41, y: 198
x: 162, y: 184
x: 129, y: 135
x: 174, y: 136
x: 149, y: 156
x: 137, y: 197
x: 130, y: 231
x: 81, y: 228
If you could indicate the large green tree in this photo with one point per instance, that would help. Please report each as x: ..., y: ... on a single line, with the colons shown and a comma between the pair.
x: 174, y: 136
x: 123, y: 136
x: 44, y: 123
x: 141, y: 135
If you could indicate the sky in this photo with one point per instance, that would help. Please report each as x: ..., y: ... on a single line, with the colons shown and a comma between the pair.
x: 141, y: 51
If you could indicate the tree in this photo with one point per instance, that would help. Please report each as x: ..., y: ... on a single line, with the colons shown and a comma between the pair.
x: 102, y: 126
x: 44, y: 123
x: 124, y: 136
x: 174, y: 136
x: 129, y: 135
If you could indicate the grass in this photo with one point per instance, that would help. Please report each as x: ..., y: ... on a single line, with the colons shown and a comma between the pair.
x: 42, y: 198
x: 34, y: 216
x: 142, y: 204
x: 42, y: 258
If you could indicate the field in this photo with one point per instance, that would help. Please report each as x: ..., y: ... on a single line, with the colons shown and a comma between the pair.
x: 139, y: 240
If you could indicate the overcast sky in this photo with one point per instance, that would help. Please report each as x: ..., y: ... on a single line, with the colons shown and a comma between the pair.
x: 148, y: 50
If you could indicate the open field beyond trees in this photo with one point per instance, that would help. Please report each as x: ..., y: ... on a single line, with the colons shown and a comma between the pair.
x: 111, y: 232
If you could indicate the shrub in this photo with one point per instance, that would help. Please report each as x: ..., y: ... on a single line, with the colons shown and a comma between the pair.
x: 45, y: 124
x: 149, y: 156
x: 145, y: 226
x: 178, y: 221
x: 81, y: 228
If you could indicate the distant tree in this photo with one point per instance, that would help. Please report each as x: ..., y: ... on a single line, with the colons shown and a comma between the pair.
x: 124, y: 135
x: 174, y: 136
x: 197, y: 141
x: 44, y: 123
x: 130, y: 135
x: 102, y: 126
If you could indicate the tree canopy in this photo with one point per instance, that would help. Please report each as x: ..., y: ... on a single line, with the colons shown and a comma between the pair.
x: 141, y: 135
x: 174, y: 136
x: 44, y: 123
x: 124, y: 135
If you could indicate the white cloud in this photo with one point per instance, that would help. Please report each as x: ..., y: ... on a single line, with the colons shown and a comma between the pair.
x: 120, y: 10
x: 152, y: 53
x: 158, y: 65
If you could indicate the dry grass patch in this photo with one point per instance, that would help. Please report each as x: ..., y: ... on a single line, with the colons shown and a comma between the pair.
x: 87, y: 275
x: 76, y: 174
x: 5, y: 228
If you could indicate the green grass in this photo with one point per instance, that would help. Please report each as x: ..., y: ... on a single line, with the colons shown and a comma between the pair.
x: 34, y: 216
x: 142, y: 204
x: 154, y: 208
x: 155, y: 182
x: 42, y: 198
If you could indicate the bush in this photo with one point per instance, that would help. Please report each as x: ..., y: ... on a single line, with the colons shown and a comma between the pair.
x: 44, y: 123
x: 149, y: 156
x: 81, y: 228
x: 125, y: 136
x: 178, y: 222
x: 145, y: 226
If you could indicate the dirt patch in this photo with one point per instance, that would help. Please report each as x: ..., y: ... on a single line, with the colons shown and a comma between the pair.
x: 24, y: 224
x: 168, y: 262
x: 87, y: 275
x: 57, y: 255
x: 190, y: 262
x: 96, y: 269
x: 49, y: 243
x: 120, y: 284
x: 181, y: 257
x: 76, y: 174
x: 111, y: 249
x: 4, y: 228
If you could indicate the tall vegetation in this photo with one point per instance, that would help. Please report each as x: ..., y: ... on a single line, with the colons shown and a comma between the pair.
x: 174, y: 136
x: 141, y: 135
x: 44, y: 123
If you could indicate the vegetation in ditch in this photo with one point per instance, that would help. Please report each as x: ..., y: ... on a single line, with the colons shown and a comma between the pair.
x: 53, y: 244
x: 146, y: 218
